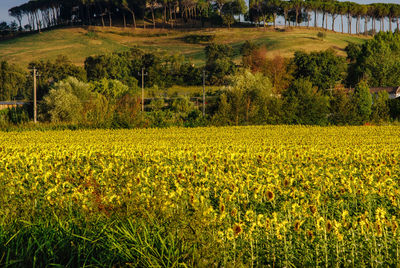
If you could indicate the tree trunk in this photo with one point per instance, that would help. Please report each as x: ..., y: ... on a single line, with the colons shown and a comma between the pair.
x: 398, y: 24
x: 357, y: 25
x: 285, y: 15
x: 349, y: 24
x: 373, y: 25
x: 341, y: 16
x: 54, y: 16
x: 124, y: 17
x: 365, y: 25
x: 37, y: 22
x: 31, y: 21
x: 152, y: 16
x: 133, y: 20
x: 88, y: 15
x: 315, y: 18
x: 165, y: 14
x: 109, y: 18
x: 326, y: 21
x: 170, y: 18
x: 333, y: 23
x: 102, y: 20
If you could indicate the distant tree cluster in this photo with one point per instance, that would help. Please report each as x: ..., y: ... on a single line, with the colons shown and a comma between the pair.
x: 316, y: 88
x: 48, y: 13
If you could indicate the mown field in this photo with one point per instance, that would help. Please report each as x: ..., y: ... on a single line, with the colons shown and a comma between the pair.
x: 79, y: 43
x: 234, y: 196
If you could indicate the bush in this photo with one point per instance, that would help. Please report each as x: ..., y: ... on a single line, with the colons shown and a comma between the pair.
x: 362, y: 102
x: 198, y: 38
x: 380, y: 107
x: 66, y: 100
x: 321, y: 35
x: 304, y: 104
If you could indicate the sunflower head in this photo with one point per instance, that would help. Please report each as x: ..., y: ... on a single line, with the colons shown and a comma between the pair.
x: 297, y: 225
x: 286, y: 183
x: 310, y: 235
x: 222, y: 207
x: 313, y: 209
x: 329, y: 226
x: 237, y: 229
x: 270, y: 195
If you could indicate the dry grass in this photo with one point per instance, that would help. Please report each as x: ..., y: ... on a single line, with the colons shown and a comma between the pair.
x: 79, y: 43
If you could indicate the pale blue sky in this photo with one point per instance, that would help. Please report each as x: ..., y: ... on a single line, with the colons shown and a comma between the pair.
x: 5, y: 5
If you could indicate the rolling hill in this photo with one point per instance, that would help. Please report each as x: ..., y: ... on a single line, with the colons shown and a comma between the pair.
x: 78, y: 42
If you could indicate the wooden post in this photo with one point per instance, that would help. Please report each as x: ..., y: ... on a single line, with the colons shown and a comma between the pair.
x: 204, y: 93
x: 143, y: 75
x: 34, y: 97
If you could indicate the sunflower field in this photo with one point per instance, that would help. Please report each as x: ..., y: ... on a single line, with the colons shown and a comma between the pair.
x: 277, y: 196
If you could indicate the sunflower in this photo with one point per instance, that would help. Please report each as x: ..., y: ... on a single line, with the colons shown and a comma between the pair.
x: 313, y: 209
x: 329, y: 226
x: 286, y: 183
x: 394, y: 225
x: 221, y: 207
x: 310, y: 235
x: 237, y: 229
x: 297, y: 225
x: 270, y: 195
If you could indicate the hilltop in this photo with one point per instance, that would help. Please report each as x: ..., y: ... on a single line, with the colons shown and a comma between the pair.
x: 80, y: 42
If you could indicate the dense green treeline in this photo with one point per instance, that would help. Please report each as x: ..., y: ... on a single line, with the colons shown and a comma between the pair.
x: 317, y: 88
x: 42, y: 14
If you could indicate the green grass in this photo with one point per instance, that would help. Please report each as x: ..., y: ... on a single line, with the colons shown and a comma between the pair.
x: 79, y: 43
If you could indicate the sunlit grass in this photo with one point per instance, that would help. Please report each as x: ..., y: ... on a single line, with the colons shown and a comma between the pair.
x: 79, y: 43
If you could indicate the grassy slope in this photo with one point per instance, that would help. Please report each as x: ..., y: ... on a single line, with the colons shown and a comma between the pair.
x: 78, y: 43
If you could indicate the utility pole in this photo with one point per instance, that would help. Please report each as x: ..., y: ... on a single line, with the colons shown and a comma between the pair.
x: 204, y: 93
x: 143, y: 75
x: 34, y: 96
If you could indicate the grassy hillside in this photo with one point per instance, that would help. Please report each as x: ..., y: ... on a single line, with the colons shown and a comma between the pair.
x: 78, y: 43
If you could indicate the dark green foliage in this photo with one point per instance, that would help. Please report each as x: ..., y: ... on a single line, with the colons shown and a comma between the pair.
x: 248, y: 47
x: 353, y: 51
x: 247, y: 100
x: 112, y: 66
x: 304, y: 104
x: 12, y: 82
x: 219, y: 63
x: 323, y: 69
x: 321, y: 35
x: 112, y: 89
x: 218, y: 51
x: 380, y: 107
x: 51, y: 72
x: 362, y: 102
x: 377, y: 61
x: 161, y: 69
x: 342, y: 110
x: 198, y: 38
x: 394, y: 108
x: 18, y: 115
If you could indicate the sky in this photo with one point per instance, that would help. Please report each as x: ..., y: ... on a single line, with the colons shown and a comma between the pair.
x: 5, y: 5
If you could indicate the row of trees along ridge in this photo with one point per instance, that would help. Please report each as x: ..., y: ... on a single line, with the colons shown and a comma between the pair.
x: 42, y: 14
